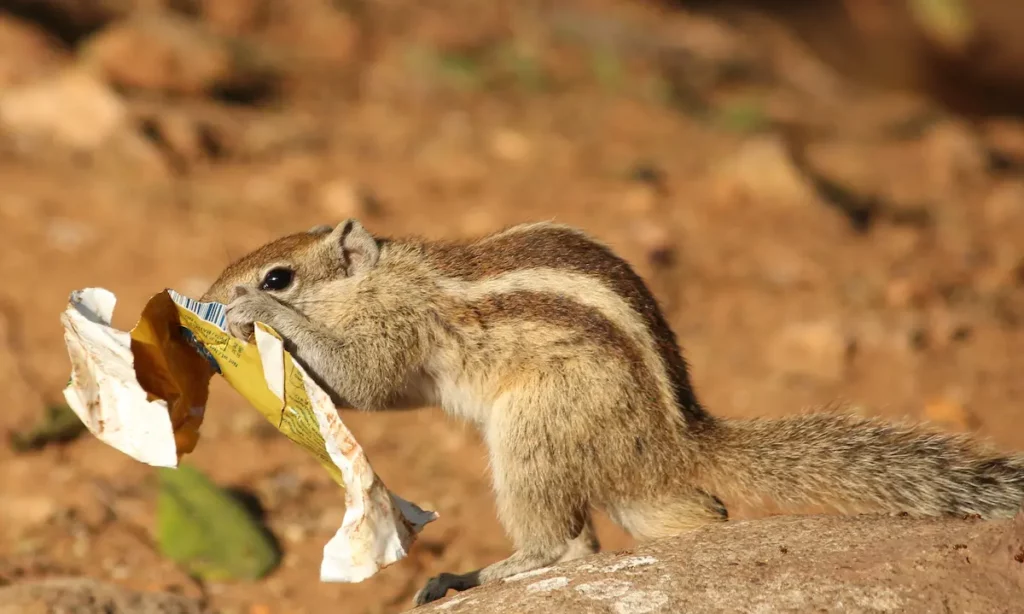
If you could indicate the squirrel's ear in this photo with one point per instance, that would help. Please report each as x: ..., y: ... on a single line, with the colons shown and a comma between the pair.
x: 359, y: 250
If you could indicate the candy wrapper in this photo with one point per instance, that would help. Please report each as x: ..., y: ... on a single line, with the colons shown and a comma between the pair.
x: 144, y: 392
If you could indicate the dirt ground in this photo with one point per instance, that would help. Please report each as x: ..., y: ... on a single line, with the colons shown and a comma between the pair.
x: 812, y: 241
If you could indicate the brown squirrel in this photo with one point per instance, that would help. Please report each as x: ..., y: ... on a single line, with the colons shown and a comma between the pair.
x: 556, y: 349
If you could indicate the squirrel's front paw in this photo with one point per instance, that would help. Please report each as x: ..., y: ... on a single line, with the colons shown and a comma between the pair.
x: 248, y: 307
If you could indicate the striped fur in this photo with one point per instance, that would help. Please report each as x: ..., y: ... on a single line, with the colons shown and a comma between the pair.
x: 557, y: 350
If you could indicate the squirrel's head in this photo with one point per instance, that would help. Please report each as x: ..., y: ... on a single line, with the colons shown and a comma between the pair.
x: 292, y: 268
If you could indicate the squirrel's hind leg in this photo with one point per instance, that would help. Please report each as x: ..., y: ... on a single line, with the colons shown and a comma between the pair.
x: 544, y: 528
x: 520, y: 561
x: 585, y: 544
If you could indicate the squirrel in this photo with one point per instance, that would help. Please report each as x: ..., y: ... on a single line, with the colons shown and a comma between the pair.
x: 554, y: 347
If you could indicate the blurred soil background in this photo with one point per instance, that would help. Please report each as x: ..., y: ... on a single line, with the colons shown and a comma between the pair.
x: 827, y: 197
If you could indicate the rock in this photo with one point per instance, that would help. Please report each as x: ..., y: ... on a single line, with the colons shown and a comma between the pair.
x: 72, y: 108
x: 1011, y: 547
x: 26, y: 53
x: 778, y: 564
x: 83, y: 596
x: 818, y: 349
x: 762, y: 170
x: 167, y: 53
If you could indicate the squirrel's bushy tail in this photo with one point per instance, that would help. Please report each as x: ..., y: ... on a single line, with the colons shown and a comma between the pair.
x: 854, y: 463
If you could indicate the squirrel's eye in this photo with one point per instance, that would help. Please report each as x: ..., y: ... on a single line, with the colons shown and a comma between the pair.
x: 277, y: 279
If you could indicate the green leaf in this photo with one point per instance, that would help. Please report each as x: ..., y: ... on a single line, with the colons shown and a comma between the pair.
x: 208, y: 531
